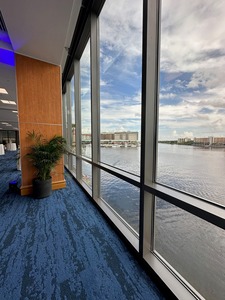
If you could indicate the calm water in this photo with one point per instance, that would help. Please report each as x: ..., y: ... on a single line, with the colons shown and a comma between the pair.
x: 198, y: 171
x: 195, y: 248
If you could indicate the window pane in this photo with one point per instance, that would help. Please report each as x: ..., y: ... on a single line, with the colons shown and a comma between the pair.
x: 85, y: 82
x: 194, y: 247
x: 74, y: 163
x: 87, y: 173
x: 191, y: 98
x: 120, y: 86
x: 122, y: 197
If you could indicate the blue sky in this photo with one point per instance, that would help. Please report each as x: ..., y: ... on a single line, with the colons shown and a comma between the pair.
x: 192, y: 72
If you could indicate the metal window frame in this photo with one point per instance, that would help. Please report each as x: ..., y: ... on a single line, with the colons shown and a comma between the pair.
x: 95, y: 105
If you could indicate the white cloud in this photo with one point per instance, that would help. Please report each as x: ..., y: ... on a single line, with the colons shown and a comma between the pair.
x: 103, y: 83
x: 188, y: 134
x: 190, y: 30
x: 193, y: 42
x: 167, y: 96
x: 121, y: 34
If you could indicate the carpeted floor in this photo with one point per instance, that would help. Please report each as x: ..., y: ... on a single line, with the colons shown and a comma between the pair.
x: 61, y: 248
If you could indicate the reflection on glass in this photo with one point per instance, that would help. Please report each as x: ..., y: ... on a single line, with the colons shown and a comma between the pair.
x: 74, y: 163
x: 85, y: 82
x: 87, y: 173
x: 120, y: 74
x: 194, y: 247
x: 73, y: 133
x: 191, y: 96
x: 122, y: 197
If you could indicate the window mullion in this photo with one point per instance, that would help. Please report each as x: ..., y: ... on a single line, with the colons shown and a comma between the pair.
x: 69, y: 122
x: 150, y: 117
x: 95, y: 105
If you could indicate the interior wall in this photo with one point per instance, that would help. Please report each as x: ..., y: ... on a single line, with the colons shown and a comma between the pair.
x: 40, y: 109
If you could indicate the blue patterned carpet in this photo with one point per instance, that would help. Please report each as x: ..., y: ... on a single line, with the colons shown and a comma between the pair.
x: 61, y: 248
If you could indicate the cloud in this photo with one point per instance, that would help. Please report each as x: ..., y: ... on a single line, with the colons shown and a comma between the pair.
x: 192, y: 35
x: 121, y: 37
x: 167, y: 96
x: 187, y: 134
x: 192, y: 59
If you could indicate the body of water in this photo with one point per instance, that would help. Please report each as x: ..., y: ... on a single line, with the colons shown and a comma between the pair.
x: 193, y: 247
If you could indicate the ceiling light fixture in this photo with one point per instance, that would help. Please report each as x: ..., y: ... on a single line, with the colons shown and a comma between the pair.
x: 8, y: 102
x: 3, y: 91
x: 15, y: 111
x: 5, y: 123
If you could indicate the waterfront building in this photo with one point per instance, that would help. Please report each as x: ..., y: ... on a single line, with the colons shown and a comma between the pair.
x: 202, y: 140
x: 219, y: 140
x: 126, y: 136
x: 107, y: 136
x: 183, y: 140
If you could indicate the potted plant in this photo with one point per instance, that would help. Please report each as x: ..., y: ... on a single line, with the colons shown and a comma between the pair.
x: 44, y: 155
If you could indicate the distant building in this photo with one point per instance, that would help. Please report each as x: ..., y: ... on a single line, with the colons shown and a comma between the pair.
x: 107, y: 136
x: 202, y: 140
x: 131, y: 136
x: 183, y: 140
x: 126, y: 136
x: 219, y: 140
x: 86, y: 137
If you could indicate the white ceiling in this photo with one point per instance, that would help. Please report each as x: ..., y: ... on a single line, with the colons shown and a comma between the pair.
x: 40, y: 29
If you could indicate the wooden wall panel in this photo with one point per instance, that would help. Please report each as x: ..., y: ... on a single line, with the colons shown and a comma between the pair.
x: 40, y: 109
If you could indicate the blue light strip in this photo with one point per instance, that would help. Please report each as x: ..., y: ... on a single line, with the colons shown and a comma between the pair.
x: 7, y: 57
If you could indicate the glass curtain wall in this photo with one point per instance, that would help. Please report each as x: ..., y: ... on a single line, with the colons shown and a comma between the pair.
x: 176, y: 193
x: 120, y: 40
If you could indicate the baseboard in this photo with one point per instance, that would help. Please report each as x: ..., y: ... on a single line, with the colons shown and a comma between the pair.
x: 59, y: 184
x: 27, y: 190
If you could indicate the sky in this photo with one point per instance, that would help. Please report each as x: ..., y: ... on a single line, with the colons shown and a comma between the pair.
x: 192, y: 72
x: 192, y: 58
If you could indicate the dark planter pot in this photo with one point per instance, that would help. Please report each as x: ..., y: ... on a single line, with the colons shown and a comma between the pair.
x: 42, y: 188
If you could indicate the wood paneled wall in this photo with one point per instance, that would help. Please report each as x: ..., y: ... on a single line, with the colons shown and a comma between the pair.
x: 40, y: 109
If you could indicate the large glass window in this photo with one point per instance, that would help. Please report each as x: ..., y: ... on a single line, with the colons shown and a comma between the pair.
x: 191, y: 146
x: 120, y: 83
x: 193, y: 247
x: 87, y: 173
x: 85, y: 82
x: 86, y: 137
x: 122, y: 197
